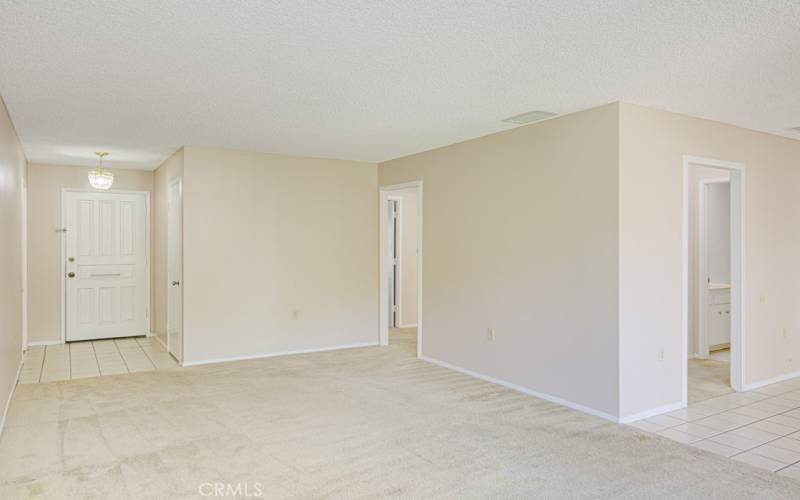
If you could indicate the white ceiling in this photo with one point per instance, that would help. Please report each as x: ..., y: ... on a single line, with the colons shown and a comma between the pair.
x: 371, y: 80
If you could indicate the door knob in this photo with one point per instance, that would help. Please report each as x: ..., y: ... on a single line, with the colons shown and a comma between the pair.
x: 70, y: 275
x: 176, y: 283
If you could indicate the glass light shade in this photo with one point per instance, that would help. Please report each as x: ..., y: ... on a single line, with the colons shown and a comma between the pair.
x: 101, y: 179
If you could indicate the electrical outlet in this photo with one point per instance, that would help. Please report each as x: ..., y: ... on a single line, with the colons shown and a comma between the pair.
x: 490, y: 334
x: 784, y: 333
x: 296, y: 314
x: 661, y: 354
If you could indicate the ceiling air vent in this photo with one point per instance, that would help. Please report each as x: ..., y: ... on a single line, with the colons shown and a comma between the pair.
x: 530, y: 117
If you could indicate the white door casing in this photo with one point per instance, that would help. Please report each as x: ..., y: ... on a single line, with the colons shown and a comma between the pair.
x: 175, y: 269
x: 106, y: 264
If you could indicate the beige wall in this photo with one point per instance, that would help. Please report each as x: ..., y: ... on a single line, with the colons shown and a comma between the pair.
x: 12, y: 177
x: 267, y: 235
x: 171, y: 169
x: 45, y: 183
x: 652, y: 144
x: 520, y: 234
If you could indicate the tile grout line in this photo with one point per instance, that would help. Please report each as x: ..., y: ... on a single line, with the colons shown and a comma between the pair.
x: 41, y: 368
x: 146, y: 355
x: 99, y: 373
x: 119, y: 351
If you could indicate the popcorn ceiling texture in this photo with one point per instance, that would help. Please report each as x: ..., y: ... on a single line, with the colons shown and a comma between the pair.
x: 374, y: 81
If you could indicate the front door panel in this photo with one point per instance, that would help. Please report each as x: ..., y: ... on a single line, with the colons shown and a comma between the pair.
x: 106, y: 283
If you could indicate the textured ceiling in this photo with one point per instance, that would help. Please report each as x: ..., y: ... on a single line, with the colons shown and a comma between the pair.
x: 371, y: 80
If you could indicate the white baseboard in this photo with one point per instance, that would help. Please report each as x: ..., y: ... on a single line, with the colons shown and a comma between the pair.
x: 414, y: 325
x: 773, y: 380
x: 651, y: 412
x: 275, y: 354
x: 44, y: 342
x: 524, y: 390
x: 10, y: 395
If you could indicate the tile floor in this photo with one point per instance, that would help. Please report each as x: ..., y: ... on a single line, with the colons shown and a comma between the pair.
x: 93, y: 359
x: 721, y: 355
x: 759, y: 427
x: 708, y: 378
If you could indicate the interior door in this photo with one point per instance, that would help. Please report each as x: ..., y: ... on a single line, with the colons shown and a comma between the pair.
x: 106, y: 265
x: 392, y: 246
x: 175, y: 270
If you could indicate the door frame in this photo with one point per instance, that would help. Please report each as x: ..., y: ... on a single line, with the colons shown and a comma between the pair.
x: 63, y: 232
x: 384, y: 192
x: 177, y: 180
x: 702, y: 265
x: 738, y: 269
x: 24, y: 259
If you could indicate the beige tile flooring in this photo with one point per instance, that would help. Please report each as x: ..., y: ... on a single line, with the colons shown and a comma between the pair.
x: 708, y: 378
x: 93, y: 359
x: 759, y: 427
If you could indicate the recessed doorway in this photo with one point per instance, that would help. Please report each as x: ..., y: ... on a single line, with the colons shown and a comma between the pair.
x: 401, y: 266
x: 713, y: 278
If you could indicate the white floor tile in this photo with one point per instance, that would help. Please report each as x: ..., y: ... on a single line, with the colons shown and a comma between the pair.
x: 759, y: 461
x: 93, y: 358
x: 651, y: 427
x: 678, y: 436
x: 750, y: 432
x: 754, y: 412
x: 791, y: 471
x: 735, y: 441
x: 691, y: 413
x: 776, y: 453
x: 696, y: 430
x: 719, y: 449
x: 664, y: 421
x: 774, y: 428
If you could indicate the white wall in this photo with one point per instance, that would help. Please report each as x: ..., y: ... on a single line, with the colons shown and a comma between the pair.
x: 12, y: 176
x: 718, y: 232
x: 268, y: 235
x: 408, y: 255
x: 697, y: 174
x: 652, y: 146
x: 520, y: 234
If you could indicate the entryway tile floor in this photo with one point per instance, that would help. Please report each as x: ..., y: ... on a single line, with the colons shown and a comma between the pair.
x: 93, y: 359
x: 759, y: 427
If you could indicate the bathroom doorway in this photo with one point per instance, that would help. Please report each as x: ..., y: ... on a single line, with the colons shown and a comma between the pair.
x: 714, y: 257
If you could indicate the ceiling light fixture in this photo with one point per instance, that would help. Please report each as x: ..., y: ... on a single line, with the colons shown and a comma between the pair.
x: 101, y: 178
x: 530, y: 117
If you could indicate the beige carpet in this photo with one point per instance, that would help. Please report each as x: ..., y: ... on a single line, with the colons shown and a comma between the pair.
x: 708, y: 379
x: 358, y: 424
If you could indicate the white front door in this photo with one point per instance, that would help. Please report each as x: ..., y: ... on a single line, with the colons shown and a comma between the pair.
x: 106, y: 265
x: 175, y: 270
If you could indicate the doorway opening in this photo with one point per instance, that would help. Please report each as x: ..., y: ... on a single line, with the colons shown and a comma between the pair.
x: 713, y: 257
x: 401, y: 266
